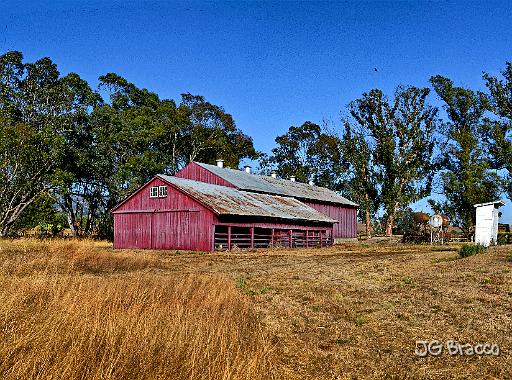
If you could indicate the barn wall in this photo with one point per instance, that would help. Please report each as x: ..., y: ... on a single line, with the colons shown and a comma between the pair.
x: 173, y: 222
x: 198, y: 173
x: 346, y: 217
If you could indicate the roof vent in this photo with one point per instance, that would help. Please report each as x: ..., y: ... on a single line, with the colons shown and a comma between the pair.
x: 247, y: 169
x: 273, y: 174
x: 220, y: 163
x: 292, y: 178
x: 311, y: 183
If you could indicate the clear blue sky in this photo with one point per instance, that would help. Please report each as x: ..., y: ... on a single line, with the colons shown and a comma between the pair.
x: 269, y: 64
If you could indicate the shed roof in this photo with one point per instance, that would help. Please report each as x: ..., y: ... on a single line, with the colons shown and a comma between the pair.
x: 269, y: 185
x: 495, y: 203
x: 230, y: 201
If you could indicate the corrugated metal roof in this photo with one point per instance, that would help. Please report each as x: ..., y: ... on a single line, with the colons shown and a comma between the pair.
x: 269, y: 185
x: 230, y: 201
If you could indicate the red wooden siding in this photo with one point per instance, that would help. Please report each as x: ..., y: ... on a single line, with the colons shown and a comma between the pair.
x: 197, y: 173
x: 173, y: 222
x: 346, y: 217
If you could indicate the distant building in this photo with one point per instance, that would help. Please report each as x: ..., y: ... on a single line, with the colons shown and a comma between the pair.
x: 487, y: 215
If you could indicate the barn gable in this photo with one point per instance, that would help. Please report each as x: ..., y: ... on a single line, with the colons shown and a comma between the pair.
x: 198, y: 173
x: 142, y: 200
x: 143, y: 220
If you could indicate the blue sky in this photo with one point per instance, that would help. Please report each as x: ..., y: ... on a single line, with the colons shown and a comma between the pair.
x: 269, y: 64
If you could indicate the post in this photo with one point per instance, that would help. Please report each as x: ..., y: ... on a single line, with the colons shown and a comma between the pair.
x: 321, y: 233
x: 307, y: 238
x: 252, y: 237
x: 290, y: 239
x: 213, y: 238
x: 229, y: 238
x: 272, y: 238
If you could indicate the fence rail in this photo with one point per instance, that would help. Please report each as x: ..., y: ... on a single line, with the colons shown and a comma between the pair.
x: 268, y: 238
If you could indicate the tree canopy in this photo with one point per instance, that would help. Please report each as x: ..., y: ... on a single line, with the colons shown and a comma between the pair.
x: 309, y: 153
x: 70, y: 152
x: 466, y: 178
x: 397, y: 138
x: 61, y: 138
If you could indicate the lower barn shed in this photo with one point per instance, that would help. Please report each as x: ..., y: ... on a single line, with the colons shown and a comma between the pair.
x: 175, y: 213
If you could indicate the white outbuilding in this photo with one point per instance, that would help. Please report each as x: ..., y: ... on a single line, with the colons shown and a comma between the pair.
x: 487, y: 215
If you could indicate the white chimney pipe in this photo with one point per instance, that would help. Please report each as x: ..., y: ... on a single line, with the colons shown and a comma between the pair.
x: 220, y: 163
x: 292, y: 178
x: 247, y: 169
x: 311, y: 183
x: 274, y: 174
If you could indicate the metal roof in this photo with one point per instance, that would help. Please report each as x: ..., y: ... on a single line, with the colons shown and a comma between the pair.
x: 269, y: 185
x: 230, y: 201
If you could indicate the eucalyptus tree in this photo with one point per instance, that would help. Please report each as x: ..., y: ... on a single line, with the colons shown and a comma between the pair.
x: 399, y: 138
x: 498, y: 131
x: 466, y: 175
x: 361, y: 183
x: 39, y: 110
x: 309, y: 153
x: 211, y: 133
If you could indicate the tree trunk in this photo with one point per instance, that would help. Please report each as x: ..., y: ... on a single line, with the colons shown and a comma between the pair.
x: 390, y: 221
x: 389, y: 224
x: 368, y: 223
x: 4, y: 231
x: 70, y: 213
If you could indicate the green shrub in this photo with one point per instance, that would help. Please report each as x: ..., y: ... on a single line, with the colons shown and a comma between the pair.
x: 504, y: 238
x: 471, y: 249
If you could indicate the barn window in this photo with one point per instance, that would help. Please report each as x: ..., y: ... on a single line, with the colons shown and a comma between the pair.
x: 153, y: 192
x: 162, y: 191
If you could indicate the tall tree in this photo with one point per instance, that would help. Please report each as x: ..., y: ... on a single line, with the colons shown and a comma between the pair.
x: 361, y: 184
x: 498, y: 131
x: 401, y: 135
x: 211, y: 133
x: 38, y: 110
x: 466, y: 178
x: 310, y: 153
x: 138, y: 135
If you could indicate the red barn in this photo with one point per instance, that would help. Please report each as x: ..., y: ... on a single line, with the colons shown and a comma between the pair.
x: 177, y: 213
x: 326, y: 201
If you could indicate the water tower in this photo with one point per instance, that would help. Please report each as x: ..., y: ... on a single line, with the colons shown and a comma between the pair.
x: 438, y: 225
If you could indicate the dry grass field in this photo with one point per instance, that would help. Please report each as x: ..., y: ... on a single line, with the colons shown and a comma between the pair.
x: 80, y: 310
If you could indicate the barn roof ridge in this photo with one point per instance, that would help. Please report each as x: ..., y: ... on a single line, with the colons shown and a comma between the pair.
x: 276, y: 186
x: 224, y: 200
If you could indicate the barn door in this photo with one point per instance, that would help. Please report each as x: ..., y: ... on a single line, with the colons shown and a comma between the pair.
x: 171, y: 230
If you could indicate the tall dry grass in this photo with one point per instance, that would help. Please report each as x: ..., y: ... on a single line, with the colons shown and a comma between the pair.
x: 75, y: 310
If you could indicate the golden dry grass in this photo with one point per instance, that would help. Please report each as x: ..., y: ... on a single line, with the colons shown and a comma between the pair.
x: 76, y: 310
x: 81, y: 310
